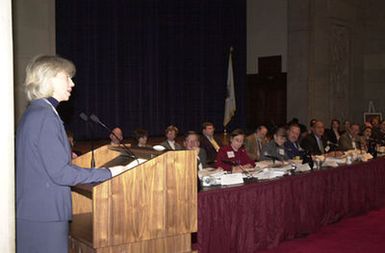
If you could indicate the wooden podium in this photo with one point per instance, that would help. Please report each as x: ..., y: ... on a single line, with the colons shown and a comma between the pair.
x: 150, y: 208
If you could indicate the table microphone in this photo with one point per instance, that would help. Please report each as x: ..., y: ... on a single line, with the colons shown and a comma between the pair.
x: 274, y: 158
x: 95, y: 119
x: 84, y: 117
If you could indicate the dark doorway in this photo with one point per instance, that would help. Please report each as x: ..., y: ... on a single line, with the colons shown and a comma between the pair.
x: 266, y: 94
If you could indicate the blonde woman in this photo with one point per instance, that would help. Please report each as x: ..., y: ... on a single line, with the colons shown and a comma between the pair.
x: 44, y: 172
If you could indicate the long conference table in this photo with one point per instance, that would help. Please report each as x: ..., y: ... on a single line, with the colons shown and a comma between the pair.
x: 260, y: 215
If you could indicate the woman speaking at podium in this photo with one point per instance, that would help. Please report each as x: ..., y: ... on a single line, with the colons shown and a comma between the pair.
x: 44, y: 172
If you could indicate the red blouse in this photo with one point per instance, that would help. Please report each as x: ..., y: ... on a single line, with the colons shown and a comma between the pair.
x: 227, y: 157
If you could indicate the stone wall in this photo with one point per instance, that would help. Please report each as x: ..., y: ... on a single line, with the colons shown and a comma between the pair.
x: 336, y: 58
x: 34, y: 33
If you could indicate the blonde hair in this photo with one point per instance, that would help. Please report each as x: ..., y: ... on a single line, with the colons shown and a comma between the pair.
x: 40, y: 71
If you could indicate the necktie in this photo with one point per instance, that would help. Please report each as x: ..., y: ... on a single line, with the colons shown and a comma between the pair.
x: 320, y: 145
x: 214, y: 143
x: 259, y: 146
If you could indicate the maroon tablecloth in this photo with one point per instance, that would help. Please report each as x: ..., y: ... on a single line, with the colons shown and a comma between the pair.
x: 260, y: 215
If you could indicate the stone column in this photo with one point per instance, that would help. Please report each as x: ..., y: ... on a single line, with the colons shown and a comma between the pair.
x: 298, y: 60
x: 321, y: 59
x: 34, y: 34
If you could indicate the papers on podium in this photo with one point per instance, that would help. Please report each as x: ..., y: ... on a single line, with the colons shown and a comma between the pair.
x: 134, y: 163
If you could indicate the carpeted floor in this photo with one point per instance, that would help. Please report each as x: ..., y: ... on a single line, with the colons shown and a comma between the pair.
x: 363, y: 234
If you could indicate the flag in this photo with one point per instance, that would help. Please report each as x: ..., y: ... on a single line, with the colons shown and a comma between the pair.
x: 230, y: 104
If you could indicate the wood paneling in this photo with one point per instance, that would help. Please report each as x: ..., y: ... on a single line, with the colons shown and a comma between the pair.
x: 102, y: 155
x: 266, y: 100
x: 180, y: 243
x: 150, y: 208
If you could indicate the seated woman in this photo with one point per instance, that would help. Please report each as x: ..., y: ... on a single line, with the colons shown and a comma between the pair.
x: 366, y: 138
x: 170, y: 144
x: 275, y: 150
x: 233, y: 157
x: 141, y: 136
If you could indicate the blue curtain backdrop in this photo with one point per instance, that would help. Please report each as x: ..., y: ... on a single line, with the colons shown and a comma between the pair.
x: 152, y: 63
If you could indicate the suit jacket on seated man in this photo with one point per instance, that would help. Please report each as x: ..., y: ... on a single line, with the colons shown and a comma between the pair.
x: 255, y: 142
x: 316, y: 143
x: 191, y: 142
x: 350, y: 139
x: 292, y: 146
x: 333, y: 134
x: 210, y: 143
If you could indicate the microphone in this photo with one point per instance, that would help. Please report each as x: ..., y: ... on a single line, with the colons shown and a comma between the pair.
x: 274, y: 158
x: 95, y: 119
x: 331, y: 144
x: 84, y: 117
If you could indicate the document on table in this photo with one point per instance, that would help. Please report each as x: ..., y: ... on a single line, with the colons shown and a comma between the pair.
x: 230, y: 179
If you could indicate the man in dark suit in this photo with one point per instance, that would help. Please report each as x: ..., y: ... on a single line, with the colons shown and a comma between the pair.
x: 333, y: 134
x: 292, y: 147
x: 191, y: 142
x: 315, y: 143
x: 210, y: 143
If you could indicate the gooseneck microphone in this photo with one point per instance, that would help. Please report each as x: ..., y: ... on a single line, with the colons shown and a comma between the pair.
x: 95, y: 119
x: 84, y: 117
x: 273, y: 158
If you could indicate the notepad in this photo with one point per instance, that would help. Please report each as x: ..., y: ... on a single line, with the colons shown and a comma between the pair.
x: 230, y: 179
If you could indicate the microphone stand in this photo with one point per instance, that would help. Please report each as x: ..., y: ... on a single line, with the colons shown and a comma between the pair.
x: 93, y: 163
x: 95, y: 119
x: 85, y: 118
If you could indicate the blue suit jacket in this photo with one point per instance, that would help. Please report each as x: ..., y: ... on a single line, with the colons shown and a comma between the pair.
x: 292, y: 151
x: 44, y: 172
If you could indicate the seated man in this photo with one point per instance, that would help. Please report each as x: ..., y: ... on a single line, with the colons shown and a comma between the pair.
x: 116, y: 136
x: 191, y: 142
x: 292, y: 147
x: 333, y: 134
x: 209, y: 142
x: 170, y: 144
x: 315, y: 143
x: 255, y: 142
x: 350, y: 139
x: 275, y: 150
